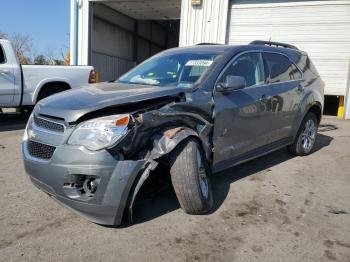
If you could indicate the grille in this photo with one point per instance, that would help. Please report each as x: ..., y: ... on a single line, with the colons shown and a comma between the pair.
x: 39, y: 150
x: 46, y: 124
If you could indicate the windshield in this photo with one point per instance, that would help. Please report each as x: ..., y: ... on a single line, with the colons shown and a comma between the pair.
x: 181, y: 70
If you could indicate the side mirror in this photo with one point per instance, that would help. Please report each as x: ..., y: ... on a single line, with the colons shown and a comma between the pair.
x: 231, y: 83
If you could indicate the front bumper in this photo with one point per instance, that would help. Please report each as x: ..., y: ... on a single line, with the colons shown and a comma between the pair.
x: 70, y: 164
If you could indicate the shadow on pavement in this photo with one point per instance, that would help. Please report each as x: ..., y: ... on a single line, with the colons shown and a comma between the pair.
x: 13, y: 121
x: 165, y: 201
x: 326, y: 127
x: 222, y: 181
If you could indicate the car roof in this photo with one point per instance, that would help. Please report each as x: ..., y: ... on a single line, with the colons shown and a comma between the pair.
x: 293, y: 54
x: 218, y: 48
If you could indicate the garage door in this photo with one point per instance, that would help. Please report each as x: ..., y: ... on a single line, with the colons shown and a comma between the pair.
x: 321, y: 28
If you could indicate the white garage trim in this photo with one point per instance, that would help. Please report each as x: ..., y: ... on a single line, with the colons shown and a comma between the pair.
x: 80, y: 32
x: 347, y: 97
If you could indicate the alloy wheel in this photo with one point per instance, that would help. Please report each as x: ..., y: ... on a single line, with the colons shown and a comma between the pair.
x: 203, y: 179
x: 308, y: 135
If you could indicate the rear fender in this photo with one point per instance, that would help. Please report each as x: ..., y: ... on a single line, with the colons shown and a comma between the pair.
x: 310, y: 99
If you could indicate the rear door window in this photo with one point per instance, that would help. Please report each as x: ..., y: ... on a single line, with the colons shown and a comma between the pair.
x: 2, y: 55
x: 279, y: 68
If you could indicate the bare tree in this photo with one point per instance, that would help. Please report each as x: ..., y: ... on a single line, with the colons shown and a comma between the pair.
x: 49, y: 53
x: 23, y: 46
x: 2, y: 35
x: 65, y: 57
x: 51, y: 57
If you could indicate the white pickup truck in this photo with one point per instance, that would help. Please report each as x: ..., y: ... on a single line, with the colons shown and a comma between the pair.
x: 22, y: 86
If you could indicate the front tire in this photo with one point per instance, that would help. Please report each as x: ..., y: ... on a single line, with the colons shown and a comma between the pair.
x: 189, y: 176
x: 306, y: 136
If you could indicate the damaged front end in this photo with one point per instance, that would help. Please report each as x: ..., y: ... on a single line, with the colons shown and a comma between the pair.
x: 101, y: 184
x: 156, y: 132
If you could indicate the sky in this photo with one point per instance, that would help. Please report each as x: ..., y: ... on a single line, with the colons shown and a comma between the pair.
x: 45, y: 21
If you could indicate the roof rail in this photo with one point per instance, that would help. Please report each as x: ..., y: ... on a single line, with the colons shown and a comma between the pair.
x: 277, y: 44
x: 208, y: 44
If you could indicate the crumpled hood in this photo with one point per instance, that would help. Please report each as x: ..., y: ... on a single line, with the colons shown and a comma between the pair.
x: 73, y: 104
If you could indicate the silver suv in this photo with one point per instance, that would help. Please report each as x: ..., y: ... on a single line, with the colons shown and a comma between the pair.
x: 195, y: 110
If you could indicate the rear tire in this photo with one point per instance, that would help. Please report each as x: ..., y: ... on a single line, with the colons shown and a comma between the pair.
x: 50, y: 91
x: 189, y: 176
x: 305, y: 140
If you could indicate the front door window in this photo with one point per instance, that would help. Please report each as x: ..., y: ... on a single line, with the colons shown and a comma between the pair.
x: 249, y: 67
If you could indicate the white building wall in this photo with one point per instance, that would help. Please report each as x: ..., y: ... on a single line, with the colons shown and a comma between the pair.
x: 80, y: 28
x: 84, y: 32
x: 321, y: 28
x: 203, y: 24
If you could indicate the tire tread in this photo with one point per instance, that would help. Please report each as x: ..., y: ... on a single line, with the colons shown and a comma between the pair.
x: 184, y: 178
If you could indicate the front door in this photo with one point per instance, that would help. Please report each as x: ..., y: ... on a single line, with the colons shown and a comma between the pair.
x: 242, y: 117
x: 7, y: 81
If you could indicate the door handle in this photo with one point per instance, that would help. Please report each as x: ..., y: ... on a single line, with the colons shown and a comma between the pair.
x: 4, y: 71
x: 265, y: 98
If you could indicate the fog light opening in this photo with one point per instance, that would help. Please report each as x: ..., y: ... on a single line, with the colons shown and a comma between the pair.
x: 90, y: 186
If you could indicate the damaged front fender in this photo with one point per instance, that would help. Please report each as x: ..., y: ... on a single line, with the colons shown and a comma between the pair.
x: 170, y: 139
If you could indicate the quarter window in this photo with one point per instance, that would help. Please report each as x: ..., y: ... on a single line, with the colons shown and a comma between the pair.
x: 279, y: 68
x: 296, y: 74
x: 2, y: 55
x: 248, y: 66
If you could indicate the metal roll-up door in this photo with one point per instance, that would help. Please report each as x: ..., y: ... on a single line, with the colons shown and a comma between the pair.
x: 321, y: 28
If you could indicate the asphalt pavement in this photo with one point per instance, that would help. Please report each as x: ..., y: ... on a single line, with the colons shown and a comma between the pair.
x: 275, y: 208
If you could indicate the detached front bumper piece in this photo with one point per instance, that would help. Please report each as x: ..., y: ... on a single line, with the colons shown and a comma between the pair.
x: 93, y: 184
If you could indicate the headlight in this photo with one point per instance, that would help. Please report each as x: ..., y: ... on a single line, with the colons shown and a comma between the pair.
x: 100, y: 133
x: 26, y: 130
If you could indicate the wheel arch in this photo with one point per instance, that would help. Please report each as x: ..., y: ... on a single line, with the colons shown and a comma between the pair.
x: 167, y: 143
x: 316, y: 108
x: 311, y: 101
x: 171, y: 138
x: 51, y: 84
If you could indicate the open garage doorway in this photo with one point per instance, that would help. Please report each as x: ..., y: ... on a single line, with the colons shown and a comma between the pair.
x: 125, y: 33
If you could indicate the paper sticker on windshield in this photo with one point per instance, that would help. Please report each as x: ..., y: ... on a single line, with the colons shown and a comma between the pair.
x: 202, y: 62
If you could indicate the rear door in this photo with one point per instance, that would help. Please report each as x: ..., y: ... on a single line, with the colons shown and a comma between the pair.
x: 242, y: 117
x: 7, y: 80
x: 286, y: 88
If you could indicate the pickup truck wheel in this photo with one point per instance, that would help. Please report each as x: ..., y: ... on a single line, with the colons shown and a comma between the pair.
x: 189, y: 176
x: 50, y: 91
x: 24, y: 109
x: 306, y: 136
